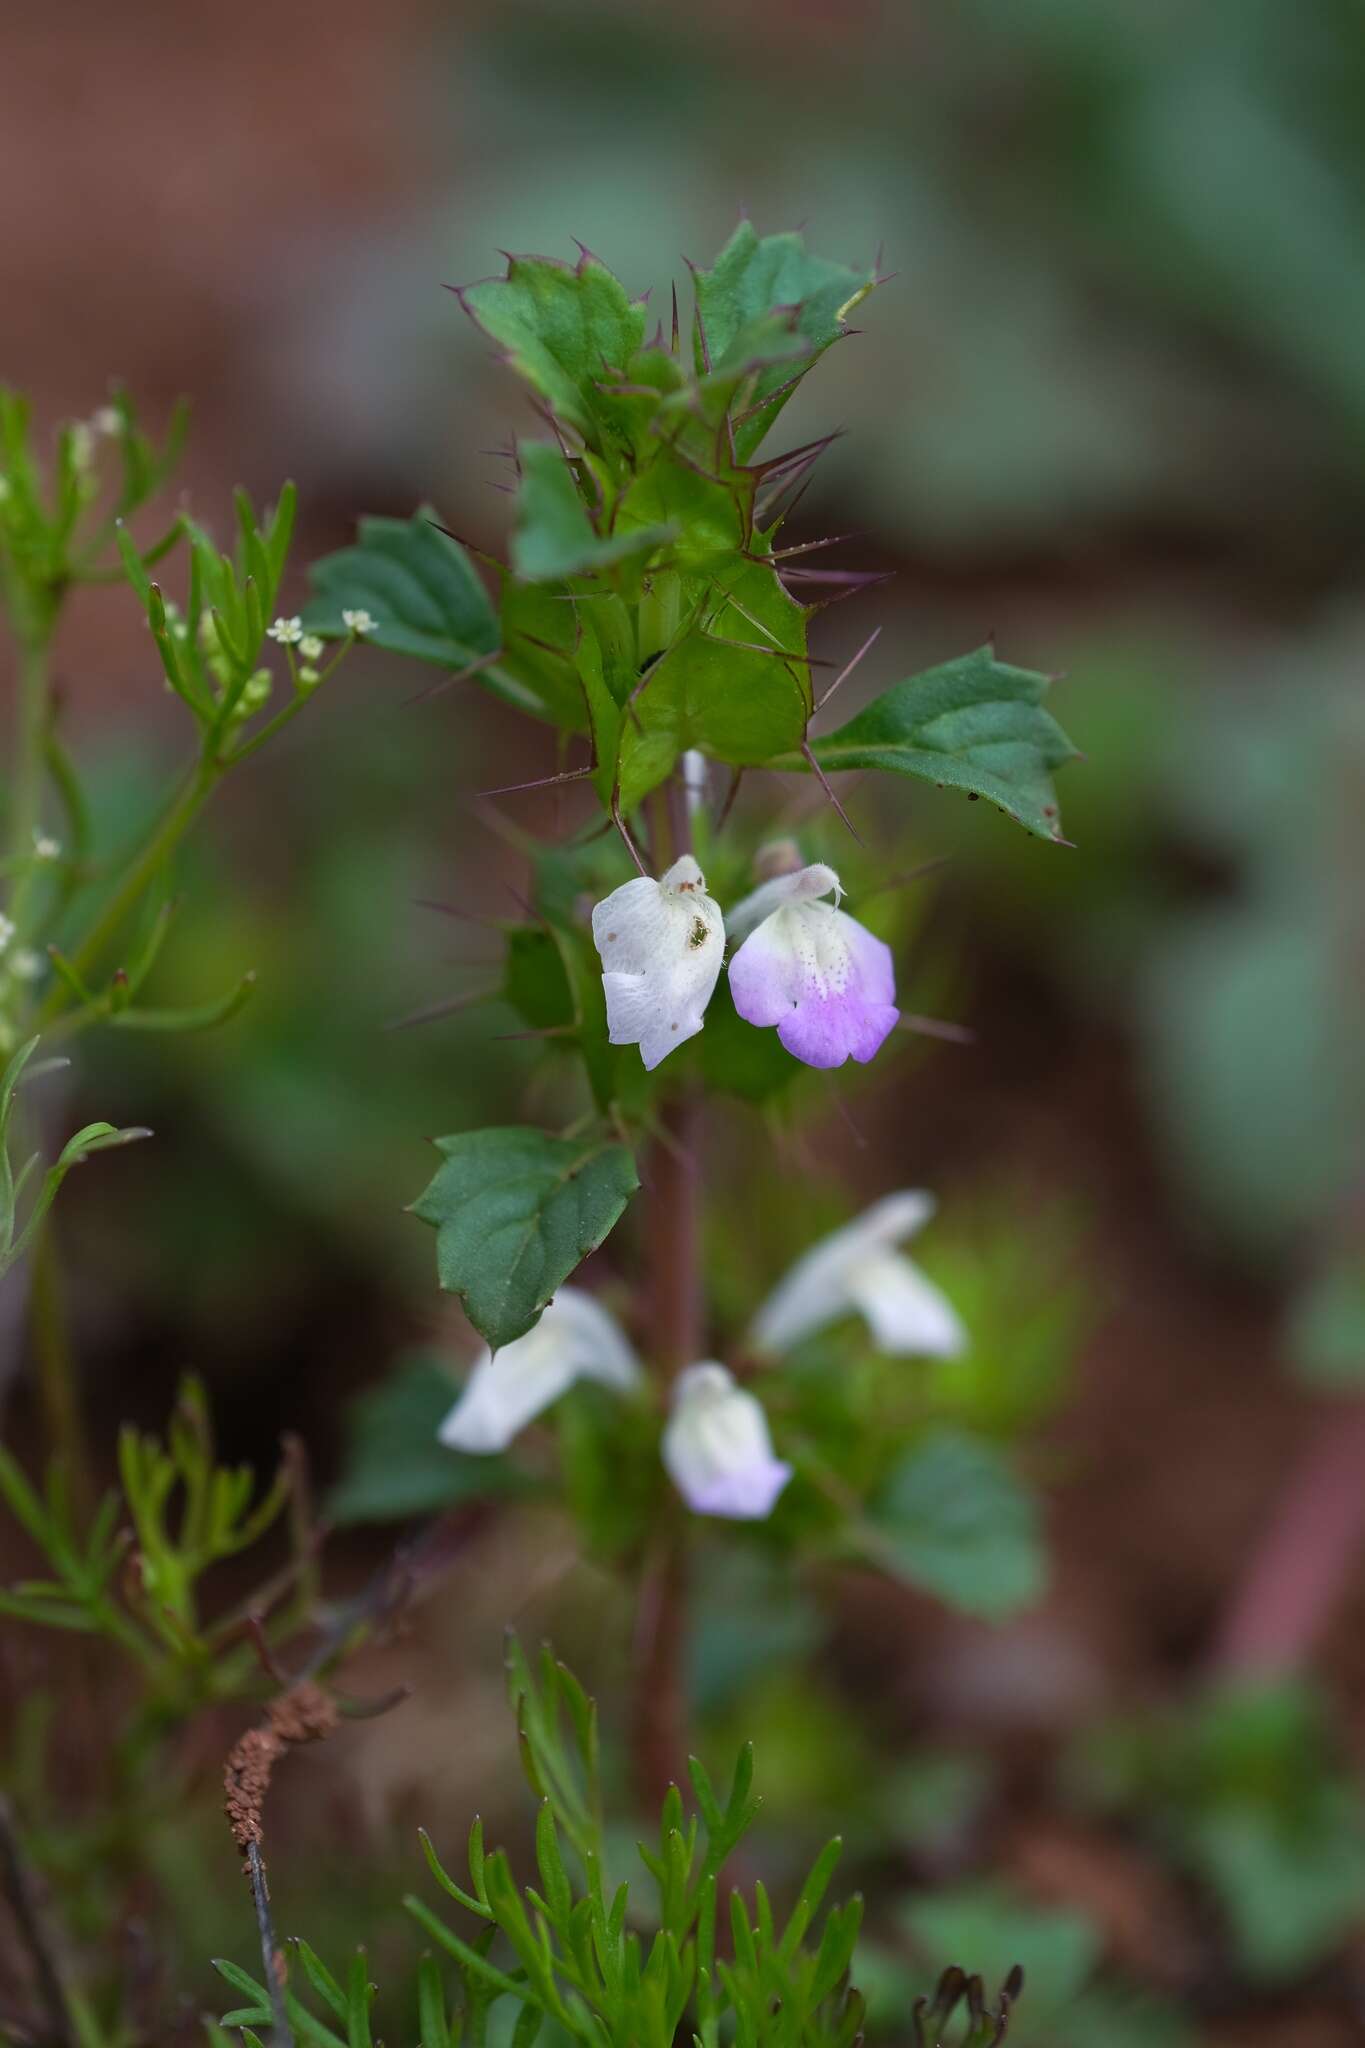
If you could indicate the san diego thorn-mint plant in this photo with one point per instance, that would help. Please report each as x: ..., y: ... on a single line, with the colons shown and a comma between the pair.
x: 655, y: 618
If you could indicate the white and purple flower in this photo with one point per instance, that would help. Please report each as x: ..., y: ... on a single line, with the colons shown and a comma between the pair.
x: 858, y: 1270
x: 812, y: 970
x: 575, y: 1339
x: 661, y: 945
x: 717, y: 1450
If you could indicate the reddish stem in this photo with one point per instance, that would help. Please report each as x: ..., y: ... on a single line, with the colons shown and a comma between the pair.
x: 674, y: 1340
x: 1299, y: 1572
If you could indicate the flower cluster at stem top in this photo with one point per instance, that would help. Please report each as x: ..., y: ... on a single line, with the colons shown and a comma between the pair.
x: 801, y: 964
x: 716, y: 1444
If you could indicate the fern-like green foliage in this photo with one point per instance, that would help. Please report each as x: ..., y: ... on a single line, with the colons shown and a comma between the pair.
x: 580, y: 1956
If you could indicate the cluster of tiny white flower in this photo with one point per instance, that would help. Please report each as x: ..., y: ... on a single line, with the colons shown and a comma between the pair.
x: 290, y: 633
x: 716, y: 1445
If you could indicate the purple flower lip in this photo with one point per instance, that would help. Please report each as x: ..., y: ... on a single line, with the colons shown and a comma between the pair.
x: 815, y: 973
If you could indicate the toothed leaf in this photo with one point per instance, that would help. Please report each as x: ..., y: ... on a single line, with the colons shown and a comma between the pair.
x: 554, y: 536
x: 568, y: 332
x: 733, y: 682
x: 515, y: 1212
x: 418, y: 585
x: 974, y: 724
x: 752, y: 280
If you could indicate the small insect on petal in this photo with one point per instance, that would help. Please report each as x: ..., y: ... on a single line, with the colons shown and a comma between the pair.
x: 660, y: 944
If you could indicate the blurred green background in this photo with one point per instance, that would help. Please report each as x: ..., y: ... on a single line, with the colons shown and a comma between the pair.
x: 1109, y: 408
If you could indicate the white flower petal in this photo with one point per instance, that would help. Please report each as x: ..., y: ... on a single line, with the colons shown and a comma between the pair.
x: 574, y: 1339
x: 717, y: 1450
x: 801, y: 885
x: 661, y: 945
x: 907, y: 1315
x: 831, y: 1279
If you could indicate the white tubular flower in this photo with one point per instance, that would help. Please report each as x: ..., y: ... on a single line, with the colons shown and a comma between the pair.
x: 108, y: 420
x: 575, y: 1339
x: 311, y: 648
x: 661, y: 945
x: 358, y: 622
x: 287, y: 632
x: 806, y: 966
x: 859, y: 1269
x: 717, y: 1450
x: 45, y: 847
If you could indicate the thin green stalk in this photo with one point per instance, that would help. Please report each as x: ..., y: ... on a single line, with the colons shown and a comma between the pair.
x: 27, y: 786
x: 268, y: 732
x: 161, y: 844
x: 57, y: 1388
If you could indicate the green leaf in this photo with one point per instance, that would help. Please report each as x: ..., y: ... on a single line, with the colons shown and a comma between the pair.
x: 974, y: 724
x: 1326, y: 1336
x: 549, y: 656
x: 989, y: 1930
x: 432, y: 2021
x: 566, y: 330
x: 418, y: 585
x: 710, y: 516
x: 534, y: 980
x: 515, y: 1211
x: 554, y: 537
x: 954, y: 1520
x: 754, y: 278
x: 1292, y: 1883
x: 733, y: 683
x: 393, y: 1466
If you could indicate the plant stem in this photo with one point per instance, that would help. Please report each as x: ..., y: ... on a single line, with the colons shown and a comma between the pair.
x: 17, y: 1882
x: 27, y: 788
x: 676, y: 1321
x: 1300, y: 1570
x: 165, y: 837
x: 56, y: 1370
x: 282, y: 2035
